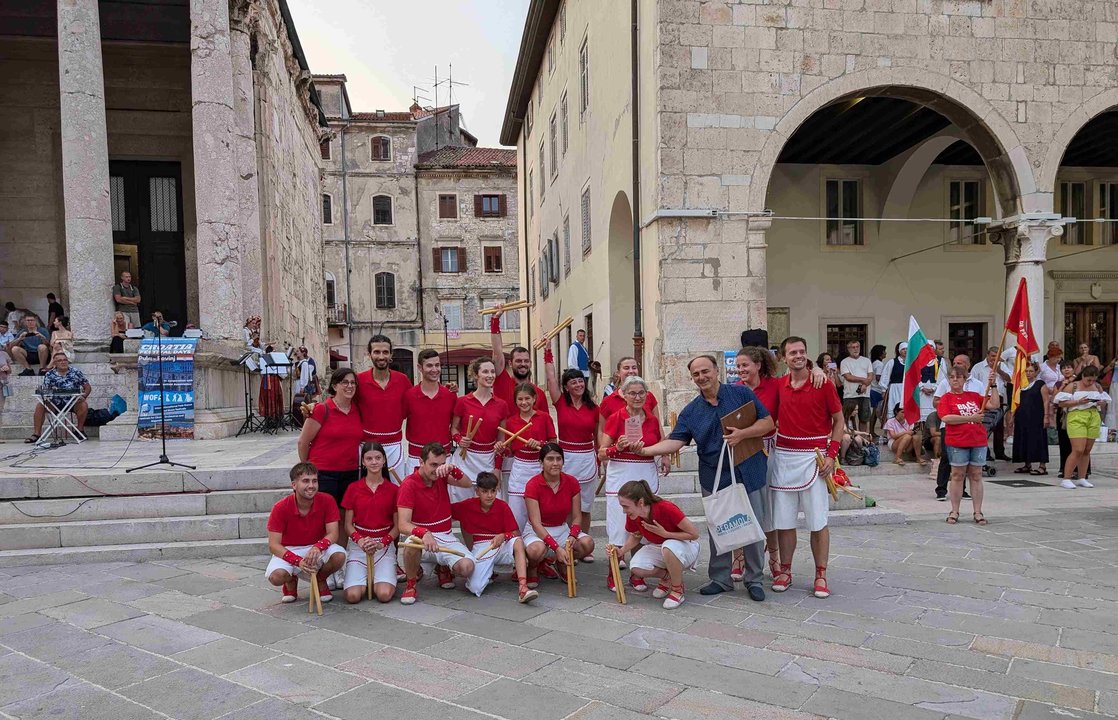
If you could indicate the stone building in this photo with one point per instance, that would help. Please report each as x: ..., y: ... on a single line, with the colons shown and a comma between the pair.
x: 178, y: 141
x: 822, y: 169
x: 420, y: 226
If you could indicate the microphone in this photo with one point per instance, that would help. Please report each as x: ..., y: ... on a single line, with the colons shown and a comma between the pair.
x: 172, y: 323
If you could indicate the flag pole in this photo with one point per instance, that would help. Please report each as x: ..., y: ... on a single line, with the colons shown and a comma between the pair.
x: 992, y: 382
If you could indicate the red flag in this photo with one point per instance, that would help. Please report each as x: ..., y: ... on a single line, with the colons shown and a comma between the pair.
x: 1019, y: 323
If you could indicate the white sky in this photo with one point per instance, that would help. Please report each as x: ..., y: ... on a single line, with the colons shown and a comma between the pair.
x: 383, y: 47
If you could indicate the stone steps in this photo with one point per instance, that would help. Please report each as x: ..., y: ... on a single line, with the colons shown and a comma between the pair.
x: 136, y: 552
x: 34, y: 536
x: 229, y: 502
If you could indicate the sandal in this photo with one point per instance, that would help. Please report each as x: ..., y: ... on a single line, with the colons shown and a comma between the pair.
x: 31, y: 439
x: 774, y: 562
x: 952, y: 517
x: 979, y: 519
x: 821, y: 590
x: 1038, y: 472
x: 898, y: 461
x: 783, y: 578
x: 737, y: 570
x: 1023, y: 470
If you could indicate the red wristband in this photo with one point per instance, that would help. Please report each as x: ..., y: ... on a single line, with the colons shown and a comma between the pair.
x: 613, y: 451
x: 833, y: 449
x: 576, y: 530
x: 457, y: 438
x: 548, y: 357
x: 509, y: 535
x: 550, y: 542
x: 456, y: 472
x: 323, y: 543
x: 386, y: 540
x: 292, y: 559
x: 495, y: 325
x: 419, y: 531
x: 355, y: 536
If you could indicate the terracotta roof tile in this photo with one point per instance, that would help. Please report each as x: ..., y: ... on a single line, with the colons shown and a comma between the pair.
x: 468, y: 157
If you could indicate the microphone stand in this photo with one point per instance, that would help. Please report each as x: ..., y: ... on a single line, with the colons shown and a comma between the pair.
x: 163, y: 459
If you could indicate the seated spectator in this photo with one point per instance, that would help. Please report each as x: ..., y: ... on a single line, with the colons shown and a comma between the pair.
x: 156, y: 319
x: 63, y: 378
x: 31, y: 345
x: 117, y: 332
x: 5, y: 373
x: 14, y: 316
x: 61, y: 339
x: 902, y: 438
x: 7, y: 337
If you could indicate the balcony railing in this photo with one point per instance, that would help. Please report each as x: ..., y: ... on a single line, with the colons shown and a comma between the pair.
x: 336, y: 314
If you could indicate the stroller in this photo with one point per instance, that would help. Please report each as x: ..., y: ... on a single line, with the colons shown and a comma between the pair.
x: 989, y: 419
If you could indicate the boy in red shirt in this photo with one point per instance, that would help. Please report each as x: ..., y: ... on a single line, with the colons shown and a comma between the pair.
x: 490, y: 522
x: 302, y: 535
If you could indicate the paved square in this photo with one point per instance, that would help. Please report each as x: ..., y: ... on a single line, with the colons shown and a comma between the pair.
x: 1014, y: 621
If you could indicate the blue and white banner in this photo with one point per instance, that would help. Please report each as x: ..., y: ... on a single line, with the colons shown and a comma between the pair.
x: 177, y: 362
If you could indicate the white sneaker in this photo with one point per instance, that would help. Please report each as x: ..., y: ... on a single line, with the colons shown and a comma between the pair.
x: 1065, y: 483
x: 671, y: 603
x: 1084, y: 483
x: 339, y: 579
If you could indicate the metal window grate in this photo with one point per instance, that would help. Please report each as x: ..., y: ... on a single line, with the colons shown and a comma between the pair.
x: 164, y: 204
x: 116, y: 202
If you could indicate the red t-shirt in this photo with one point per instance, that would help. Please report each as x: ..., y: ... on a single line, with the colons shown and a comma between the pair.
x: 382, y: 408
x: 768, y: 392
x: 965, y: 435
x: 492, y: 414
x: 805, y: 412
x: 482, y: 525
x: 650, y: 431
x: 542, y: 429
x: 555, y: 507
x: 428, y: 418
x: 430, y: 506
x: 614, y: 402
x: 577, y: 427
x: 505, y: 388
x: 372, y: 510
x: 297, y: 530
x: 664, y: 512
x: 338, y: 442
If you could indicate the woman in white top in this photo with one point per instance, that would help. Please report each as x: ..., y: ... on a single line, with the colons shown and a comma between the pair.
x: 877, y: 390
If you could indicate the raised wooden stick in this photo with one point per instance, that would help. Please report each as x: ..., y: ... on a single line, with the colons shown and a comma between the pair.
x: 369, y: 575
x: 314, y: 603
x: 547, y: 336
x: 517, y: 305
x: 572, y: 586
x: 514, y: 435
x: 440, y: 548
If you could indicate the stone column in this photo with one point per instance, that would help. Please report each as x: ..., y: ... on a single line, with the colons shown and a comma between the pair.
x: 216, y: 195
x: 85, y: 172
x: 1026, y: 249
x: 244, y: 138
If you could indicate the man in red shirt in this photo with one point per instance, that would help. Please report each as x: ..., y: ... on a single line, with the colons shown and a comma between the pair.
x: 303, y: 534
x: 519, y: 370
x: 423, y: 512
x: 490, y: 522
x: 380, y: 398
x: 811, y: 425
x: 429, y: 408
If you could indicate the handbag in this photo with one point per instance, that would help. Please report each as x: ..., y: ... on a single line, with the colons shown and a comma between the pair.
x: 730, y: 518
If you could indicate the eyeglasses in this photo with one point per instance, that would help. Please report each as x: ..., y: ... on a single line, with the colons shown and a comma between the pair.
x: 636, y: 394
x: 346, y: 382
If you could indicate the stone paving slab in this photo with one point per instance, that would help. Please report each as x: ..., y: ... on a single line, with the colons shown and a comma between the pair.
x: 926, y: 623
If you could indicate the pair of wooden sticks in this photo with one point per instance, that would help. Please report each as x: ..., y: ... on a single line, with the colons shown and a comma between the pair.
x: 615, y: 572
x: 416, y: 544
x: 518, y: 305
x: 314, y: 602
x: 471, y: 429
x: 572, y: 582
x: 547, y: 336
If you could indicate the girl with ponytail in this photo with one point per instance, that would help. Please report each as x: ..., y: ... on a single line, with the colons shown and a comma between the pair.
x: 670, y: 540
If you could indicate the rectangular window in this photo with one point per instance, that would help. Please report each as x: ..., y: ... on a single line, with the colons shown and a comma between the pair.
x: 449, y: 259
x: 586, y: 221
x: 494, y: 258
x: 381, y: 148
x: 490, y: 206
x: 553, y: 132
x: 452, y: 312
x: 967, y: 338
x: 528, y: 120
x: 964, y: 204
x: 566, y: 244
x: 839, y: 335
x: 551, y: 56
x: 543, y: 173
x: 327, y: 210
x: 382, y: 210
x: 545, y: 265
x: 324, y: 149
x: 553, y: 254
x: 583, y: 78
x: 385, y: 286
x: 448, y: 207
x: 1073, y: 203
x: 564, y: 134
x: 843, y: 207
x: 531, y: 200
x: 563, y: 22
x: 1108, y: 209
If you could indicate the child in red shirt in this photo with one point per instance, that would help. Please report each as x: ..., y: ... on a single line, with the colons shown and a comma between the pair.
x: 490, y: 522
x: 670, y: 540
x: 370, y: 523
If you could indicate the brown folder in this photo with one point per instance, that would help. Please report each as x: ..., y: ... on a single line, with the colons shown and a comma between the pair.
x: 739, y: 419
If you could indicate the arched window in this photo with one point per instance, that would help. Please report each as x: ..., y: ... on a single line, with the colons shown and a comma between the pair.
x: 327, y: 209
x: 382, y: 210
x: 385, y: 283
x: 381, y: 147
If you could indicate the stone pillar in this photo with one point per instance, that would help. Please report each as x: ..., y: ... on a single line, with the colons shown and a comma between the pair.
x: 85, y: 172
x: 244, y: 138
x: 1026, y: 249
x: 216, y: 192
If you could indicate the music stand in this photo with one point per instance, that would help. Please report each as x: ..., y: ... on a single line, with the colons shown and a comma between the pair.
x: 163, y: 459
x: 275, y: 365
x: 251, y: 423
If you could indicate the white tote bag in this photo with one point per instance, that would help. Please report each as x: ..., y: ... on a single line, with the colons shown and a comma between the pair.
x: 730, y: 518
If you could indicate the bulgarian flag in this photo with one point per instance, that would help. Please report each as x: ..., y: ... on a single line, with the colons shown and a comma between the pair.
x: 1019, y: 323
x: 921, y: 353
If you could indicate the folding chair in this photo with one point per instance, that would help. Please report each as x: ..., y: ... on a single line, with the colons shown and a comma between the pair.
x: 58, y: 407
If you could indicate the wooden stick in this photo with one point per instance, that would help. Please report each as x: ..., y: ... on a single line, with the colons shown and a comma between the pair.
x: 369, y: 575
x: 615, y: 570
x: 992, y: 381
x: 514, y: 435
x: 471, y: 430
x: 550, y: 334
x: 572, y: 588
x: 314, y: 604
x: 674, y: 458
x: 518, y: 305
x: 440, y: 548
x: 395, y: 477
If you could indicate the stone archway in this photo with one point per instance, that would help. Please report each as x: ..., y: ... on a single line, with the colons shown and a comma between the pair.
x: 621, y: 289
x: 1085, y: 113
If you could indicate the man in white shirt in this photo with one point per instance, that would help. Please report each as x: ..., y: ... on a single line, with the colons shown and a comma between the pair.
x: 1004, y: 373
x: 577, y: 356
x: 857, y: 376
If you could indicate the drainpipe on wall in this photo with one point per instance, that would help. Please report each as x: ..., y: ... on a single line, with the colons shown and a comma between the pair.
x: 524, y: 190
x: 638, y: 326
x: 345, y: 230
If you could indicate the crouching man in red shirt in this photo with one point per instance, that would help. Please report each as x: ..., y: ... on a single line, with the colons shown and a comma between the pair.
x: 303, y: 534
x: 423, y: 512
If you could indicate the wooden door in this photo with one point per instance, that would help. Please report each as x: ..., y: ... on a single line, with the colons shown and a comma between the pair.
x: 966, y: 339
x: 1090, y: 323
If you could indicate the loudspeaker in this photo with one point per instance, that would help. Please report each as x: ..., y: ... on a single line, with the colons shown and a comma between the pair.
x: 757, y: 337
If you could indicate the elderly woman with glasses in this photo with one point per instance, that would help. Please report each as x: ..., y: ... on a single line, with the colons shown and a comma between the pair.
x: 631, y: 424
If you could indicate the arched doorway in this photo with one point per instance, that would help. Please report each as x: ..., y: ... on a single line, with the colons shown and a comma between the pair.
x: 403, y: 361
x: 620, y: 316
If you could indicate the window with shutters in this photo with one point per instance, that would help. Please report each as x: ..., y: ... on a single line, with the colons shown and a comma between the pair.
x: 553, y: 256
x: 964, y: 198
x: 494, y: 258
x: 1073, y: 203
x: 448, y: 207
x: 553, y: 132
x: 564, y: 135
x: 551, y: 56
x: 381, y: 148
x: 1107, y: 233
x: 531, y: 284
x: 490, y: 206
x: 545, y: 266
x: 324, y: 148
x: 543, y: 173
x: 844, y: 207
x: 382, y: 210
x: 583, y: 78
x: 331, y: 290
x: 452, y: 311
x: 566, y: 244
x: 327, y: 209
x: 528, y: 120
x: 562, y: 23
x: 586, y: 221
x: 449, y: 259
x: 385, y: 283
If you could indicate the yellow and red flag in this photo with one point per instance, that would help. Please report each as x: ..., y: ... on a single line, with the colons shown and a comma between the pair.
x: 1019, y: 323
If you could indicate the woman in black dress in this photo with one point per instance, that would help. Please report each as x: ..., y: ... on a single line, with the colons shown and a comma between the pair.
x: 1032, y: 417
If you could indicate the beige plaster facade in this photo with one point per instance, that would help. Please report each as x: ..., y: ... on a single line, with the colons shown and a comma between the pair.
x: 722, y: 88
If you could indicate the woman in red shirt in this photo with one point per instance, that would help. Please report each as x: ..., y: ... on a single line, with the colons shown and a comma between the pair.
x: 553, y: 499
x: 526, y: 448
x: 480, y: 406
x: 579, y: 423
x: 668, y: 541
x: 332, y: 435
x: 965, y: 440
x: 370, y: 522
x: 624, y: 466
